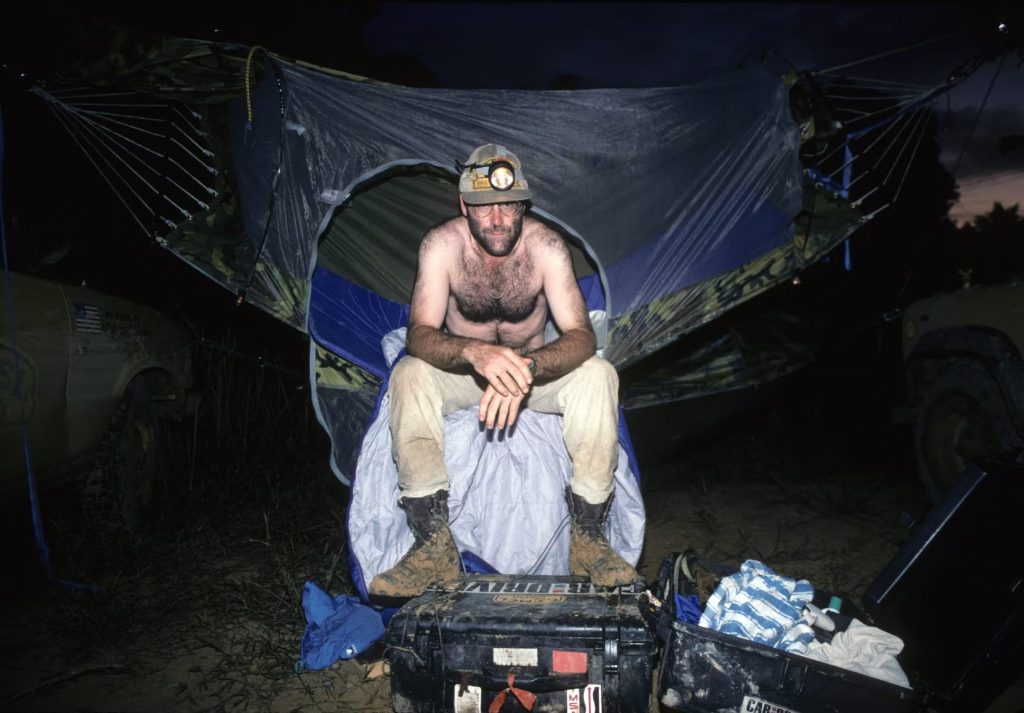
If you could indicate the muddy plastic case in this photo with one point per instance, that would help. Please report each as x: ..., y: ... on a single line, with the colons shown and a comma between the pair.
x: 574, y: 646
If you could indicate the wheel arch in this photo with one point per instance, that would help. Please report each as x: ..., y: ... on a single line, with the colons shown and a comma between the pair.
x: 169, y: 395
x: 991, y: 349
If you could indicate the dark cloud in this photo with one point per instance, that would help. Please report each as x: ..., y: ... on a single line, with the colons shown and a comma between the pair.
x: 640, y: 44
x: 996, y: 144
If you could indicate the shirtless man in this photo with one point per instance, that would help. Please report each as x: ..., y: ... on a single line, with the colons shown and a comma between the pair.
x: 486, y: 283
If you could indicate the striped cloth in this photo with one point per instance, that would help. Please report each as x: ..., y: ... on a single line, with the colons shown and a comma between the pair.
x: 761, y: 606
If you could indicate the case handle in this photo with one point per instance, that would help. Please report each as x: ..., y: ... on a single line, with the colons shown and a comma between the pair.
x: 792, y: 677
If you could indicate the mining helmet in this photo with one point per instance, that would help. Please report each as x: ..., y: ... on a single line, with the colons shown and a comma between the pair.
x: 493, y: 174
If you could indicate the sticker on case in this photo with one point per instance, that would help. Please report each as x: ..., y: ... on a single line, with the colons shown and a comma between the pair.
x: 467, y: 699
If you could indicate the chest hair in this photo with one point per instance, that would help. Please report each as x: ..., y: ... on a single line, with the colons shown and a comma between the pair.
x: 502, y: 293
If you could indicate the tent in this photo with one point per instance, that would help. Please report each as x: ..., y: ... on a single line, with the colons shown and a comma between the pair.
x: 306, y: 191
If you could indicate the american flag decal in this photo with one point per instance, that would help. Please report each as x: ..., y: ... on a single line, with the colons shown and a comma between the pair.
x: 87, y: 318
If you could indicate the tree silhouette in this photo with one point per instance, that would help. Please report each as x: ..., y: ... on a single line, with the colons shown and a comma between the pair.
x: 990, y: 249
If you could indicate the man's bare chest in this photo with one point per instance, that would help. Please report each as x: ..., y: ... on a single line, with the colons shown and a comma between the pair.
x: 508, y: 292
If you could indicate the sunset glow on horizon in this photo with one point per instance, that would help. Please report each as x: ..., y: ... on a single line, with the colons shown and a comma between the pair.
x: 980, y: 192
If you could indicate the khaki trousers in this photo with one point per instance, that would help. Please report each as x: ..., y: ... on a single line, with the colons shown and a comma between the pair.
x: 421, y: 395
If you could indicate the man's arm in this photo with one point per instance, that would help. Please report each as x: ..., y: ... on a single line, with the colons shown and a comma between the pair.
x: 425, y: 338
x: 569, y: 311
x: 505, y: 370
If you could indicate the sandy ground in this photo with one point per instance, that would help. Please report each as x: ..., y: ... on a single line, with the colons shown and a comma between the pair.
x: 202, y: 613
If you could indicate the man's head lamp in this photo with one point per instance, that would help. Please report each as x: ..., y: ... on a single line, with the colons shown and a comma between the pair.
x: 501, y: 174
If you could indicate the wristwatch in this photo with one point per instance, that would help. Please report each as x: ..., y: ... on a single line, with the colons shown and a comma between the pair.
x: 532, y: 366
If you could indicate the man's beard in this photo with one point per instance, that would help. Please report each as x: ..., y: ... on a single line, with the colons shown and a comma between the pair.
x: 496, y: 242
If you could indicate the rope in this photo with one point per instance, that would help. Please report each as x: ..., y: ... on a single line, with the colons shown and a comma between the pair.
x: 248, y: 90
x: 188, y: 193
x: 884, y: 54
x: 872, y: 98
x: 111, y: 137
x: 978, y: 115
x: 116, y: 154
x: 906, y: 125
x: 114, y: 138
x: 86, y: 134
x: 72, y: 109
x: 202, y: 149
x: 861, y: 82
x: 125, y: 116
x: 899, y: 108
x: 921, y: 114
x: 103, y: 175
x: 191, y: 155
x: 870, y: 146
x: 197, y: 130
x: 116, y: 106
x: 910, y: 162
x: 551, y: 543
x: 890, y: 116
x: 212, y: 191
x: 72, y: 96
x: 903, y: 123
x: 856, y: 113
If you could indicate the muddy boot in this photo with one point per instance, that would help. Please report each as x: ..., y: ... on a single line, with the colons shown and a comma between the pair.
x: 589, y: 551
x: 433, y: 558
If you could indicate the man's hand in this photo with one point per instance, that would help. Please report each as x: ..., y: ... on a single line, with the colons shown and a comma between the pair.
x: 506, y: 372
x: 497, y: 411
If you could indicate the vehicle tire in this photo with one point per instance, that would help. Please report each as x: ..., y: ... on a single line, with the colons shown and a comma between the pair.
x: 120, y: 484
x: 962, y: 417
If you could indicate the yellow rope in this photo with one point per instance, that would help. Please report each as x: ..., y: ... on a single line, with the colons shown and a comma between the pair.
x: 248, y: 88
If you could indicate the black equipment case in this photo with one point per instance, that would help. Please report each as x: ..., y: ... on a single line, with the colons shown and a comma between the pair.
x: 953, y: 593
x: 574, y: 646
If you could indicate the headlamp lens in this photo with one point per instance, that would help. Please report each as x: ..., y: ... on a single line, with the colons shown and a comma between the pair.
x: 501, y: 175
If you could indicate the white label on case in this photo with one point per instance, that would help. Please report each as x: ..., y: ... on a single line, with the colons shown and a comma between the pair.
x: 467, y: 699
x: 515, y: 657
x: 759, y: 705
x: 584, y: 700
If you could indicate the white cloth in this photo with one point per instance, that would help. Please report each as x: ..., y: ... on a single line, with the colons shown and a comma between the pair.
x: 392, y: 345
x: 506, y: 497
x: 864, y: 649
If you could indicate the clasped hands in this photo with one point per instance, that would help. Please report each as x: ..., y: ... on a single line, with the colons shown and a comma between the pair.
x: 508, y: 382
